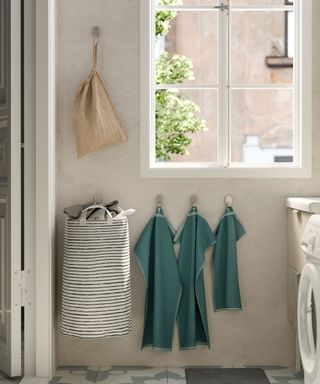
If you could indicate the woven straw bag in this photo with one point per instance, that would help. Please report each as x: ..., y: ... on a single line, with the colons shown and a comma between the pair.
x: 94, y: 119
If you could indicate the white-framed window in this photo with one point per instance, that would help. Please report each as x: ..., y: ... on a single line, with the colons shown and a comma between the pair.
x: 226, y: 88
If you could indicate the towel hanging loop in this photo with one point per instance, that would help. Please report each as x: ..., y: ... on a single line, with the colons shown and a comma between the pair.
x: 193, y: 200
x: 228, y: 200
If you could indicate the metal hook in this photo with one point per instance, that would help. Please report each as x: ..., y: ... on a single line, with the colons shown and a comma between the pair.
x: 228, y: 200
x: 159, y: 201
x: 97, y: 198
x: 193, y: 200
x: 95, y: 32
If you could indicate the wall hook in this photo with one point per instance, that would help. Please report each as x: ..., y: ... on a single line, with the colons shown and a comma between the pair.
x: 159, y: 201
x: 193, y: 200
x: 228, y: 200
x: 95, y: 32
x: 97, y: 198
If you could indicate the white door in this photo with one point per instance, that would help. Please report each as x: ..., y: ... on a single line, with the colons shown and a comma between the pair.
x: 10, y: 188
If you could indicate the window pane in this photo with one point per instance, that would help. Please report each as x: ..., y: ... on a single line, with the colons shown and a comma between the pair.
x: 261, y: 2
x: 199, y: 2
x: 186, y: 2
x: 261, y: 126
x: 262, y: 47
x: 187, y: 52
x: 186, y: 125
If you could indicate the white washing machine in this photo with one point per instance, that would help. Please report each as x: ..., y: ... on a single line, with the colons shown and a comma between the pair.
x: 309, y: 303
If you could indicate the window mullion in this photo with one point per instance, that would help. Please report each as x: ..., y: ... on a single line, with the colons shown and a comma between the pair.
x: 223, y: 136
x: 297, y: 85
x: 228, y: 98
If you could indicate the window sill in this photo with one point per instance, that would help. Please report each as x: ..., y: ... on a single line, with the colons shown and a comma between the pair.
x: 207, y: 170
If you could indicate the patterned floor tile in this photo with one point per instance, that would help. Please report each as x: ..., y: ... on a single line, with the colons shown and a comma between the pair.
x: 75, y: 375
x: 176, y: 372
x: 176, y: 375
x: 149, y: 375
x: 282, y: 375
x: 131, y: 375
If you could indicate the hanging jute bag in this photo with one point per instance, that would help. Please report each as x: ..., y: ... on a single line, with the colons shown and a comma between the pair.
x: 95, y: 122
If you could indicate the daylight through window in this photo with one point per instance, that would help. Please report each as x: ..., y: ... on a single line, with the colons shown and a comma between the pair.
x: 225, y: 82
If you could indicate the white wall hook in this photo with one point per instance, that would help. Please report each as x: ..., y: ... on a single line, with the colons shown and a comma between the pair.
x: 97, y: 198
x: 159, y: 201
x: 228, y: 200
x: 95, y: 31
x: 193, y: 200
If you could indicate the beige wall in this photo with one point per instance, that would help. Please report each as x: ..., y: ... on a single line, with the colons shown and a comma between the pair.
x: 258, y: 335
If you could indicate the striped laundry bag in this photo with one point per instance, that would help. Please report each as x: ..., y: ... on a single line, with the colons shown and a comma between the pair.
x: 96, y: 286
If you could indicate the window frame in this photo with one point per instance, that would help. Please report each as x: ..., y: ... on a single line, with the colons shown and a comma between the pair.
x: 303, y: 115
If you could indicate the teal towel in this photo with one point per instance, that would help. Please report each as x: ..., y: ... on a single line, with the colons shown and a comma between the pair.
x: 195, y: 236
x: 155, y: 254
x: 225, y: 268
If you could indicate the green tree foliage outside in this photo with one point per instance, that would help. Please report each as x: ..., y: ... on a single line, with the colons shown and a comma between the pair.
x: 164, y: 18
x: 176, y: 115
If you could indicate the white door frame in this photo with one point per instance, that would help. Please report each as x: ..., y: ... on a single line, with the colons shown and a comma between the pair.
x: 15, y: 174
x: 11, y: 358
x: 29, y: 184
x: 40, y: 197
x: 45, y: 184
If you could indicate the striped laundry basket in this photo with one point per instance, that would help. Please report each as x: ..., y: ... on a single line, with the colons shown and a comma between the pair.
x: 96, y: 286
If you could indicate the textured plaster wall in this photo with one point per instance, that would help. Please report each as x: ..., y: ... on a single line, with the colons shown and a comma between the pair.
x: 258, y: 335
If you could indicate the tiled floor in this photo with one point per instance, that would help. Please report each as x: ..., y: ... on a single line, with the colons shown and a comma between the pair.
x: 149, y: 375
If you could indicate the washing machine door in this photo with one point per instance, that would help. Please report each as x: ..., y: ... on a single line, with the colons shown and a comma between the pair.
x: 309, y: 322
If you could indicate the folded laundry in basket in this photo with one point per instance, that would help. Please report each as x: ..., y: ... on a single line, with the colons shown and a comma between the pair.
x: 75, y: 210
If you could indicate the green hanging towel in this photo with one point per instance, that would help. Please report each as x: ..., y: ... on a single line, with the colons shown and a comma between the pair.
x: 195, y: 236
x: 155, y: 254
x: 225, y: 268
